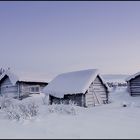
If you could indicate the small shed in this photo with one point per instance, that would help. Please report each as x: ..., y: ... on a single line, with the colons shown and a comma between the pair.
x: 21, y: 85
x: 85, y: 88
x: 133, y: 84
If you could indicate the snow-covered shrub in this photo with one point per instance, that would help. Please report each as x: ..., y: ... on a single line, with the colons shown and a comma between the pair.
x: 5, y: 102
x: 22, y: 111
x: 33, y: 109
x: 12, y: 112
x: 62, y: 109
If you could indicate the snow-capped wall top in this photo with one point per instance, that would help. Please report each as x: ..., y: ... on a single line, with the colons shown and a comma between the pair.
x: 72, y: 82
x: 25, y: 77
x: 132, y: 76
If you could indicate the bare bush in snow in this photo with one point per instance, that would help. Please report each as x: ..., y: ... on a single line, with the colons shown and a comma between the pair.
x: 22, y: 111
x: 33, y: 109
x: 62, y: 109
x: 12, y: 113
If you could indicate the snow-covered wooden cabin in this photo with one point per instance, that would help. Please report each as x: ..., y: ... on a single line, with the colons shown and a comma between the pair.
x: 20, y: 85
x: 133, y: 84
x: 84, y: 88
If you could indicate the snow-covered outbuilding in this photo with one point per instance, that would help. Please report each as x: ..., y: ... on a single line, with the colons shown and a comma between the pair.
x: 84, y: 88
x: 21, y: 85
x: 133, y: 84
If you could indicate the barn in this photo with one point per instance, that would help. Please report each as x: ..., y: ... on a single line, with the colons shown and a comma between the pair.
x: 133, y: 84
x: 20, y: 85
x: 84, y: 88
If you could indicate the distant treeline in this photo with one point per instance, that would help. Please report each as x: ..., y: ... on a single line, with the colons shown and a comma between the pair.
x: 115, y: 84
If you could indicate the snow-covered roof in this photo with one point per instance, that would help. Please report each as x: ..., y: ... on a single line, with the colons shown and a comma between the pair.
x: 24, y: 77
x: 72, y: 82
x: 132, y: 76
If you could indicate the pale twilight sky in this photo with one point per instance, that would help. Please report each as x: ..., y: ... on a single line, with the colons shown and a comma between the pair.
x: 55, y: 37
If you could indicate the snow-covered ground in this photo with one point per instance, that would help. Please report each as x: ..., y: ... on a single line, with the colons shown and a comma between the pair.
x: 115, y: 77
x: 106, y: 121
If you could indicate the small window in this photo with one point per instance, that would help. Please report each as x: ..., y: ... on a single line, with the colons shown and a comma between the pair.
x: 34, y: 89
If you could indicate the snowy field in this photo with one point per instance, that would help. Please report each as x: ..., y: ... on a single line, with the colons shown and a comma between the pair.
x: 106, y: 121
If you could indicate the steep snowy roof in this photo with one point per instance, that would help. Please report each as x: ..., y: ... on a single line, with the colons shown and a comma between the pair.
x: 25, y: 77
x: 72, y: 82
x: 132, y: 76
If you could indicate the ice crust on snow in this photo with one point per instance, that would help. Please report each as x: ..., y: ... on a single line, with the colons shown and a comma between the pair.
x: 72, y: 82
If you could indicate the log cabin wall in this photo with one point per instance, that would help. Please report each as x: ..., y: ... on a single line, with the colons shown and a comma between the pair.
x: 77, y: 99
x: 6, y: 87
x: 25, y: 87
x: 97, y: 93
x: 134, y: 86
x: 101, y: 89
x: 19, y: 89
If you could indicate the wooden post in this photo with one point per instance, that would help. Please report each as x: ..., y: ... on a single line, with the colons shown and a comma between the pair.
x: 107, y: 96
x: 18, y: 90
x: 50, y: 99
x: 83, y: 100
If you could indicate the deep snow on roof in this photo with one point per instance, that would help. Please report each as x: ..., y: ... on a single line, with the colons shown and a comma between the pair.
x: 132, y: 76
x: 72, y: 82
x: 25, y: 77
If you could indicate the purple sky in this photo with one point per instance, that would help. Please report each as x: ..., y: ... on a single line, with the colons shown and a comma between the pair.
x: 55, y: 37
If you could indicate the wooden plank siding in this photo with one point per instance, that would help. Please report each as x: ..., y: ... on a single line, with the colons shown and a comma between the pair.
x: 6, y: 87
x: 20, y: 89
x: 134, y: 86
x: 97, y: 93
x: 100, y: 90
x: 24, y: 87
